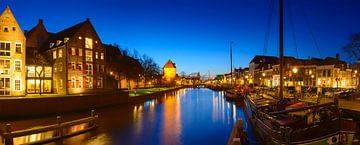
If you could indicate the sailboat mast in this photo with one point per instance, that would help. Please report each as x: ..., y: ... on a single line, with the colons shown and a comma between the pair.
x: 281, y: 44
x: 231, y: 74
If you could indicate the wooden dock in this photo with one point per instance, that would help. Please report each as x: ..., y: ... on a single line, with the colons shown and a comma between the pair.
x: 54, y: 132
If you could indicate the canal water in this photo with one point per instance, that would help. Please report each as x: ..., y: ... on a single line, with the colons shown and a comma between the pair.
x: 183, y: 117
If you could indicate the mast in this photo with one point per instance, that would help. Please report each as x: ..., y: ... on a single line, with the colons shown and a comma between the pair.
x: 281, y: 44
x: 231, y: 73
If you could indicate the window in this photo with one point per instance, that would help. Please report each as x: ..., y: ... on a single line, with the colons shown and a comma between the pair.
x: 31, y: 71
x: 60, y: 83
x: 60, y: 67
x: 51, y: 45
x: 4, y: 66
x: 14, y: 28
x: 6, y: 29
x: 48, y: 72
x: 18, y: 47
x: 39, y: 71
x: 89, y: 82
x: 79, y: 66
x: 5, y: 48
x: 73, y: 82
x: 99, y: 82
x: 102, y: 56
x: 58, y: 42
x: 17, y: 85
x: 55, y: 67
x: 17, y: 65
x: 54, y: 54
x: 73, y: 51
x: 4, y: 86
x: 80, y: 85
x: 88, y: 43
x: 73, y: 66
x: 96, y: 55
x: 60, y: 53
x: 88, y: 56
x: 80, y: 52
x: 66, y: 39
x: 89, y: 69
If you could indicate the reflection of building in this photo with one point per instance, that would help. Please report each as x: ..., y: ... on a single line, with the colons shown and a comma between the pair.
x: 169, y: 72
x: 77, y: 57
x: 12, y: 56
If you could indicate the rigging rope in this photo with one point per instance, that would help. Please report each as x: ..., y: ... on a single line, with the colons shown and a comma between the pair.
x: 268, y: 27
x: 310, y: 30
x: 292, y: 28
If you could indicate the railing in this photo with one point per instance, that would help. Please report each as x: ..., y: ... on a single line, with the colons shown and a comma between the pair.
x: 56, y: 131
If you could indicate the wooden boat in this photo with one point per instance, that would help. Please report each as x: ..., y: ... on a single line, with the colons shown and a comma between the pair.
x: 234, y: 95
x: 309, y: 125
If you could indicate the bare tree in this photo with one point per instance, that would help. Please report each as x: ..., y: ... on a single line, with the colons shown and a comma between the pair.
x: 352, y: 49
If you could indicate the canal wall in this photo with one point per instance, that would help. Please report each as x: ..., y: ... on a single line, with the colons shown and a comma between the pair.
x: 20, y: 107
x: 151, y: 96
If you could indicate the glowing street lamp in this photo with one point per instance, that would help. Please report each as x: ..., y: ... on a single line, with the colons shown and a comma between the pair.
x: 263, y: 74
x: 295, y: 70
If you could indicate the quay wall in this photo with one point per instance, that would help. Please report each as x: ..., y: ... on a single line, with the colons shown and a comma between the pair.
x: 20, y: 107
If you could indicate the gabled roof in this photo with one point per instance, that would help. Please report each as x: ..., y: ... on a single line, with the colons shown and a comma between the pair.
x: 264, y: 59
x: 169, y: 64
x: 35, y: 57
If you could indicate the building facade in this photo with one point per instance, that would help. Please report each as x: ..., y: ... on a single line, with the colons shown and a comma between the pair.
x: 12, y: 56
x: 169, y: 73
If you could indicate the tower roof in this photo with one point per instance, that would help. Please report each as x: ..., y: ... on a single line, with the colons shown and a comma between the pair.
x: 170, y: 64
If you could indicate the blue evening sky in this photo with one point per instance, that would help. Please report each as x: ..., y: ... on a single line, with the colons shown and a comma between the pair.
x: 195, y: 34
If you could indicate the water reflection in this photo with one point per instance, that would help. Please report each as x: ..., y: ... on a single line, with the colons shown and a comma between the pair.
x: 184, y: 117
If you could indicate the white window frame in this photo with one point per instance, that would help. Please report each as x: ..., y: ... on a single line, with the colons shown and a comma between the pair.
x: 20, y: 47
x: 19, y: 85
x: 17, y: 60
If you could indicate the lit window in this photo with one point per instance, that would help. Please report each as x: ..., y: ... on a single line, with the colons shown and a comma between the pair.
x: 88, y: 43
x: 51, y: 45
x: 73, y: 51
x: 39, y: 71
x: 80, y: 85
x: 79, y: 66
x: 17, y: 85
x: 58, y: 42
x: 17, y: 64
x: 4, y: 66
x: 54, y: 54
x: 88, y: 56
x: 48, y: 72
x: 18, y: 47
x: 89, y: 82
x: 99, y: 82
x: 102, y: 56
x: 80, y: 52
x: 31, y: 71
x: 73, y: 66
x: 60, y: 67
x: 66, y: 39
x: 96, y: 55
x: 60, y: 53
x: 5, y: 48
x: 73, y: 82
x: 89, y: 69
x: 55, y: 67
x: 60, y: 83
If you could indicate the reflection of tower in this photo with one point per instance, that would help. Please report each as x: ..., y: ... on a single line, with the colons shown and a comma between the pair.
x: 171, y: 125
x: 169, y: 73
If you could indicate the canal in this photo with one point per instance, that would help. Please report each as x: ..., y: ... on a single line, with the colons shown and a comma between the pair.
x: 183, y: 117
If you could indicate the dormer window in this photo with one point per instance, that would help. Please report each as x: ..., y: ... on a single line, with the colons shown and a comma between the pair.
x: 14, y: 28
x: 6, y: 29
x: 51, y: 45
x: 66, y: 39
x: 58, y: 42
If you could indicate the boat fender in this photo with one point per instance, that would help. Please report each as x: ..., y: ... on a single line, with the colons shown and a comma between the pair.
x: 333, y: 140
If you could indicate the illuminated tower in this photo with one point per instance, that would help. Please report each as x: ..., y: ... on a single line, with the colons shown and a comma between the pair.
x: 12, y: 56
x: 169, y: 72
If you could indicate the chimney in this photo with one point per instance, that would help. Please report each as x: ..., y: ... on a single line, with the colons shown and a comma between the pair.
x: 40, y: 21
x: 337, y: 56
